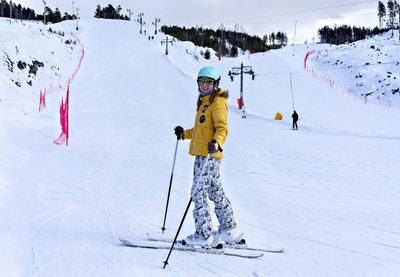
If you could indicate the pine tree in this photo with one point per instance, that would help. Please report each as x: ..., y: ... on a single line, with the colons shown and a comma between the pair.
x: 381, y: 13
x: 272, y: 38
x: 234, y: 51
x: 391, y: 14
x: 18, y: 12
x: 285, y: 39
x: 49, y: 15
x: 118, y: 10
x: 397, y: 11
x: 97, y: 13
x: 110, y: 12
x: 57, y: 15
x: 265, y: 39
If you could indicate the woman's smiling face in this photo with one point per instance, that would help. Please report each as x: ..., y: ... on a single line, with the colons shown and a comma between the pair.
x: 205, y: 84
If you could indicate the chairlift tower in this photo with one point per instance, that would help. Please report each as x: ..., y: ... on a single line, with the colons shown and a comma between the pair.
x: 166, y: 41
x: 156, y: 20
x: 140, y: 18
x: 77, y: 18
x: 240, y: 71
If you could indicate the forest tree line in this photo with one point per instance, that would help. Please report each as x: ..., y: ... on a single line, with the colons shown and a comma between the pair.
x: 225, y: 42
x: 19, y: 12
x: 346, y: 34
x: 110, y: 12
x: 389, y: 17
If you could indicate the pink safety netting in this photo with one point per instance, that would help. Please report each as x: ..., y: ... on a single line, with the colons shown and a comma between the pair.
x: 64, y: 106
x: 64, y: 118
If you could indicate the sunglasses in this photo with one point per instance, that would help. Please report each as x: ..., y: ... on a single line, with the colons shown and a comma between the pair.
x: 208, y: 82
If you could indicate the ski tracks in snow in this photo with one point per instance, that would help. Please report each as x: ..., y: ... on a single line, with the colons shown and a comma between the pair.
x: 312, y: 129
x: 359, y: 253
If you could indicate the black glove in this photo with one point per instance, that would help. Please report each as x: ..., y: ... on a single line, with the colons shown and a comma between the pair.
x: 213, y: 147
x: 179, y: 132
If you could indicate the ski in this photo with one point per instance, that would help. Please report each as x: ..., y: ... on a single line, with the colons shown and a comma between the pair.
x: 179, y: 247
x: 156, y: 236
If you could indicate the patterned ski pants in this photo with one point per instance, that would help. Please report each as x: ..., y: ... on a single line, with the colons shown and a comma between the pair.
x: 210, y: 184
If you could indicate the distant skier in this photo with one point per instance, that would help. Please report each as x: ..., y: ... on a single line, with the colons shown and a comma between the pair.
x: 295, y: 117
x: 208, y: 136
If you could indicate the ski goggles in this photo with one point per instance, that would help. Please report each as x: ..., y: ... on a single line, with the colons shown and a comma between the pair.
x: 208, y: 82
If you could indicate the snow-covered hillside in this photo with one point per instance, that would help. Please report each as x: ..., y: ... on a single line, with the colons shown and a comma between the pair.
x: 328, y: 193
x: 368, y: 69
x: 34, y: 53
x: 34, y: 58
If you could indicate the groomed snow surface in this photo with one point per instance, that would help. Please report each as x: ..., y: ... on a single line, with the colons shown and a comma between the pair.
x: 328, y: 193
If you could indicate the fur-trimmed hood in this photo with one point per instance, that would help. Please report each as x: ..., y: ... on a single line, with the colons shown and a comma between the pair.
x: 224, y: 93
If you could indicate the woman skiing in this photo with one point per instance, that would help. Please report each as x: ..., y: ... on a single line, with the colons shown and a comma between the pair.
x: 208, y: 136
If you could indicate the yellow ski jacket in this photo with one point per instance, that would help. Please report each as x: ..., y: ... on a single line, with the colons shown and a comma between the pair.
x: 211, y: 123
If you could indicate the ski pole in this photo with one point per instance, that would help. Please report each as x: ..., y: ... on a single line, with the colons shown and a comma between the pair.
x: 170, y: 185
x: 187, y: 208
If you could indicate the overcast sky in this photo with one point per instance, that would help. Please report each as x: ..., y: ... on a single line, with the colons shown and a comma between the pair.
x: 257, y: 17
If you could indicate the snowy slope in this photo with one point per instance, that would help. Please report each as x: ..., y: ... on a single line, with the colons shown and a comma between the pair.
x: 327, y: 193
x: 369, y: 68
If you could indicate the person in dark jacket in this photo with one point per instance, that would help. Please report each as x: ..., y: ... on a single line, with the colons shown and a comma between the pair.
x: 295, y: 117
